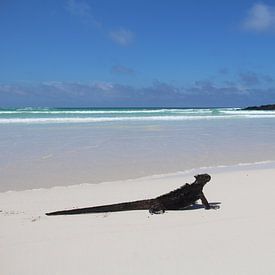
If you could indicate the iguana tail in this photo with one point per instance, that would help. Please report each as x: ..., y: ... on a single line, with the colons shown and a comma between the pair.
x: 125, y: 206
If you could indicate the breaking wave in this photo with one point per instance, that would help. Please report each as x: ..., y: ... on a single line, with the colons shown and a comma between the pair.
x: 46, y: 115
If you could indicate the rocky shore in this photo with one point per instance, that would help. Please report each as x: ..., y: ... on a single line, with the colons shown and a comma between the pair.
x: 269, y: 107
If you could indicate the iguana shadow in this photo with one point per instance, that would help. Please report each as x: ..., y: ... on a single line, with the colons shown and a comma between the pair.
x: 195, y: 206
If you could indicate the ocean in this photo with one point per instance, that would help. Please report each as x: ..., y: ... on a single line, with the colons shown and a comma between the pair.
x: 46, y: 147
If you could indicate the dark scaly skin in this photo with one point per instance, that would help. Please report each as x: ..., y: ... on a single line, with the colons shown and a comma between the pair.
x: 180, y: 198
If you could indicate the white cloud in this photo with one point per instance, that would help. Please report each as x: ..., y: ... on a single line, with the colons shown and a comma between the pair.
x: 260, y: 18
x: 121, y: 69
x: 122, y: 36
x: 104, y: 86
x: 80, y: 8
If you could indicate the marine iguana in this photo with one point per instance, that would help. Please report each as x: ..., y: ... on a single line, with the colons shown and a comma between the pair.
x: 180, y: 198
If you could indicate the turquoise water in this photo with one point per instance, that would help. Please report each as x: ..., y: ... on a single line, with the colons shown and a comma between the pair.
x: 92, y: 115
x: 50, y: 147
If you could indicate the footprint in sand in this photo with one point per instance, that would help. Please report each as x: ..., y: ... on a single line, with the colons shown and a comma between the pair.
x: 36, y: 219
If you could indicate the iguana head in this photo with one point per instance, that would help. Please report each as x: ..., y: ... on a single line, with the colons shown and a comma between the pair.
x: 202, y: 179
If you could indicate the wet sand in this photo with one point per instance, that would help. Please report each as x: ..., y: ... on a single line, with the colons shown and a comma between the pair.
x: 35, y: 156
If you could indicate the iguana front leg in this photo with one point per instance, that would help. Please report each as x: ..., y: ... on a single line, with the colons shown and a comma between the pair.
x: 204, y: 201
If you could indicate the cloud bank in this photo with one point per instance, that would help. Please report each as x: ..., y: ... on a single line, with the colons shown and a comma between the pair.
x: 160, y: 94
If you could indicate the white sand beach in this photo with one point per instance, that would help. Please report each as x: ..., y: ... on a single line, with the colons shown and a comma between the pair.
x: 237, y: 238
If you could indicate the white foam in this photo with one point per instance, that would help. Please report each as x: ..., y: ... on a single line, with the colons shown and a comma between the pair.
x: 112, y: 111
x: 240, y: 112
x: 114, y: 119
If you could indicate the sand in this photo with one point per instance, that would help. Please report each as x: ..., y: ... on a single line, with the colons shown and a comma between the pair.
x: 237, y: 238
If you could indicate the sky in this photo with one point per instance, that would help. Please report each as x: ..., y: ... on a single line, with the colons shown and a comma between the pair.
x: 122, y: 53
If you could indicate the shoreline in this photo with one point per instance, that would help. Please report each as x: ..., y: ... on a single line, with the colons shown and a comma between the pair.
x: 235, y: 239
x: 267, y: 164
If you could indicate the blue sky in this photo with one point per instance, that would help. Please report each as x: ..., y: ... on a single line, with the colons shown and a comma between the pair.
x: 136, y: 53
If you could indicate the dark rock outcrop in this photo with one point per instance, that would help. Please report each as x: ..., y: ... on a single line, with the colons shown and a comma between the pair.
x: 269, y: 107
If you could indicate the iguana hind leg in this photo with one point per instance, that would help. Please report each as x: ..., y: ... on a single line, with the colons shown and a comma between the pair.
x: 157, y: 208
